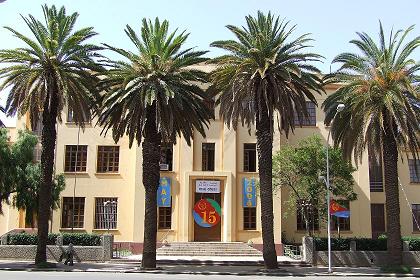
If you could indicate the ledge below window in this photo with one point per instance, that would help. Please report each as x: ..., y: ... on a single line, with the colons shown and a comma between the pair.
x: 105, y: 229
x: 70, y: 229
x: 111, y: 174
x: 76, y: 173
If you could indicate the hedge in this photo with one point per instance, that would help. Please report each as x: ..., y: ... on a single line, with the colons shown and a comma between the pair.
x: 29, y: 239
x: 413, y: 243
x: 362, y: 244
x: 81, y: 239
x: 77, y: 239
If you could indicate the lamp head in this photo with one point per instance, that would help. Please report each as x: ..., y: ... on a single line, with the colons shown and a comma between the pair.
x: 340, y: 107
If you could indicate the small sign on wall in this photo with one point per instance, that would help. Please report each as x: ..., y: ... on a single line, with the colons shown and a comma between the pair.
x: 164, y: 192
x: 205, y: 186
x: 249, y: 192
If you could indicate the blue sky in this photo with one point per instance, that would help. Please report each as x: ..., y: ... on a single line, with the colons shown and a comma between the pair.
x: 332, y: 23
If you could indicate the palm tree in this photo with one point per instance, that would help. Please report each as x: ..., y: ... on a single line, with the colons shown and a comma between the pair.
x: 53, y: 70
x: 3, y: 111
x: 153, y: 96
x: 379, y: 87
x: 265, y: 73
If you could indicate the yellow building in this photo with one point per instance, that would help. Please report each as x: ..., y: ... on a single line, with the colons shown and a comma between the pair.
x: 108, y: 192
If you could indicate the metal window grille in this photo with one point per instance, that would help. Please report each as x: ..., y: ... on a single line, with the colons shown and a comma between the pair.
x: 165, y: 217
x: 310, y: 120
x: 208, y: 150
x: 73, y: 152
x: 250, y: 218
x: 375, y: 174
x: 414, y: 166
x: 166, y: 156
x: 108, y: 159
x: 106, y: 212
x: 416, y: 215
x: 71, y: 118
x: 313, y: 217
x: 68, y: 214
x: 250, y: 157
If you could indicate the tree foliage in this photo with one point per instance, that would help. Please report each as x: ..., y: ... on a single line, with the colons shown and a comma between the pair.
x: 298, y: 168
x: 20, y: 177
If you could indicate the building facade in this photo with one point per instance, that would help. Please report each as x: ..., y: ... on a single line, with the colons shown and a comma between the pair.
x: 212, y: 180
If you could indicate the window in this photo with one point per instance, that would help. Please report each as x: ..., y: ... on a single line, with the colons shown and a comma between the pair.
x: 75, y: 158
x: 106, y: 212
x: 208, y: 156
x: 37, y: 152
x: 38, y: 128
x: 165, y: 217
x: 414, y: 166
x: 344, y: 223
x: 250, y: 218
x: 71, y: 117
x: 165, y: 162
x: 416, y: 216
x: 310, y: 120
x: 68, y: 215
x: 375, y: 173
x: 312, y: 216
x: 108, y: 159
x: 250, y: 157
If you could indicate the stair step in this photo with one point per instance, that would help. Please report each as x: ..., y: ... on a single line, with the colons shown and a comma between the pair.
x: 237, y: 249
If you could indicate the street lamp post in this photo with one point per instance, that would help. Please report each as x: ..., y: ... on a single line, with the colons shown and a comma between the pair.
x: 340, y: 107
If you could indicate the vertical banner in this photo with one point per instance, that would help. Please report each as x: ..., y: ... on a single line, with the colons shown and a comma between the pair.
x: 164, y: 192
x: 249, y: 192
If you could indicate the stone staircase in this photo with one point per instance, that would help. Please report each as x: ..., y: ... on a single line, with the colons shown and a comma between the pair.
x: 228, y: 249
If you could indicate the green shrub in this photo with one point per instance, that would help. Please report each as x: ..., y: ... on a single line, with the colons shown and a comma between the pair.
x: 29, y: 239
x: 369, y: 244
x: 77, y: 239
x: 337, y: 244
x: 413, y: 243
x: 81, y: 239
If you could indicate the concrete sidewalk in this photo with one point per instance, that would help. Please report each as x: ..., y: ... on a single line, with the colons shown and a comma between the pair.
x: 8, y: 265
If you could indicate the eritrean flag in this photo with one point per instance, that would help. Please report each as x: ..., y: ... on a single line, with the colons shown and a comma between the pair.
x: 338, y: 210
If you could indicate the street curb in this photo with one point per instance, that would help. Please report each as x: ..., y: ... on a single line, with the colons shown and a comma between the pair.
x: 256, y: 273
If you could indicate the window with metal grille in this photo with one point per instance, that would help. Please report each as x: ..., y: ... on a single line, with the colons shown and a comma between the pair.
x: 416, y: 216
x: 68, y: 215
x: 75, y: 158
x: 250, y: 218
x: 302, y: 119
x: 108, y: 159
x: 414, y: 166
x: 106, y: 212
x: 165, y: 217
x: 250, y: 157
x: 311, y: 214
x: 37, y: 131
x: 341, y: 223
x: 71, y: 117
x: 166, y: 153
x: 375, y: 173
x: 208, y: 156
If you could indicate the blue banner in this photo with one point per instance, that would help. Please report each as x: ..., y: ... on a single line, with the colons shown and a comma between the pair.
x: 249, y: 192
x: 164, y: 192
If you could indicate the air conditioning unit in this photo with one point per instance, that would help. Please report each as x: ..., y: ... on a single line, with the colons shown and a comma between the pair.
x: 164, y: 166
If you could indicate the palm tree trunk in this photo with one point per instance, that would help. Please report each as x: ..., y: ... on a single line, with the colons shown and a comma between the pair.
x: 49, y: 135
x: 265, y: 164
x: 151, y: 176
x: 392, y: 201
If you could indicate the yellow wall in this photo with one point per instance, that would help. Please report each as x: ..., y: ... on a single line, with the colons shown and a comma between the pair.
x: 127, y: 185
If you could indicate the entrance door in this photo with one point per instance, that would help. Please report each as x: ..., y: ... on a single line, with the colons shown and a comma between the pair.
x: 377, y: 219
x: 208, y: 234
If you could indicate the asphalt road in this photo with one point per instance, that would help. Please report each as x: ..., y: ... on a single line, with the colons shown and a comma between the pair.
x: 22, y: 275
